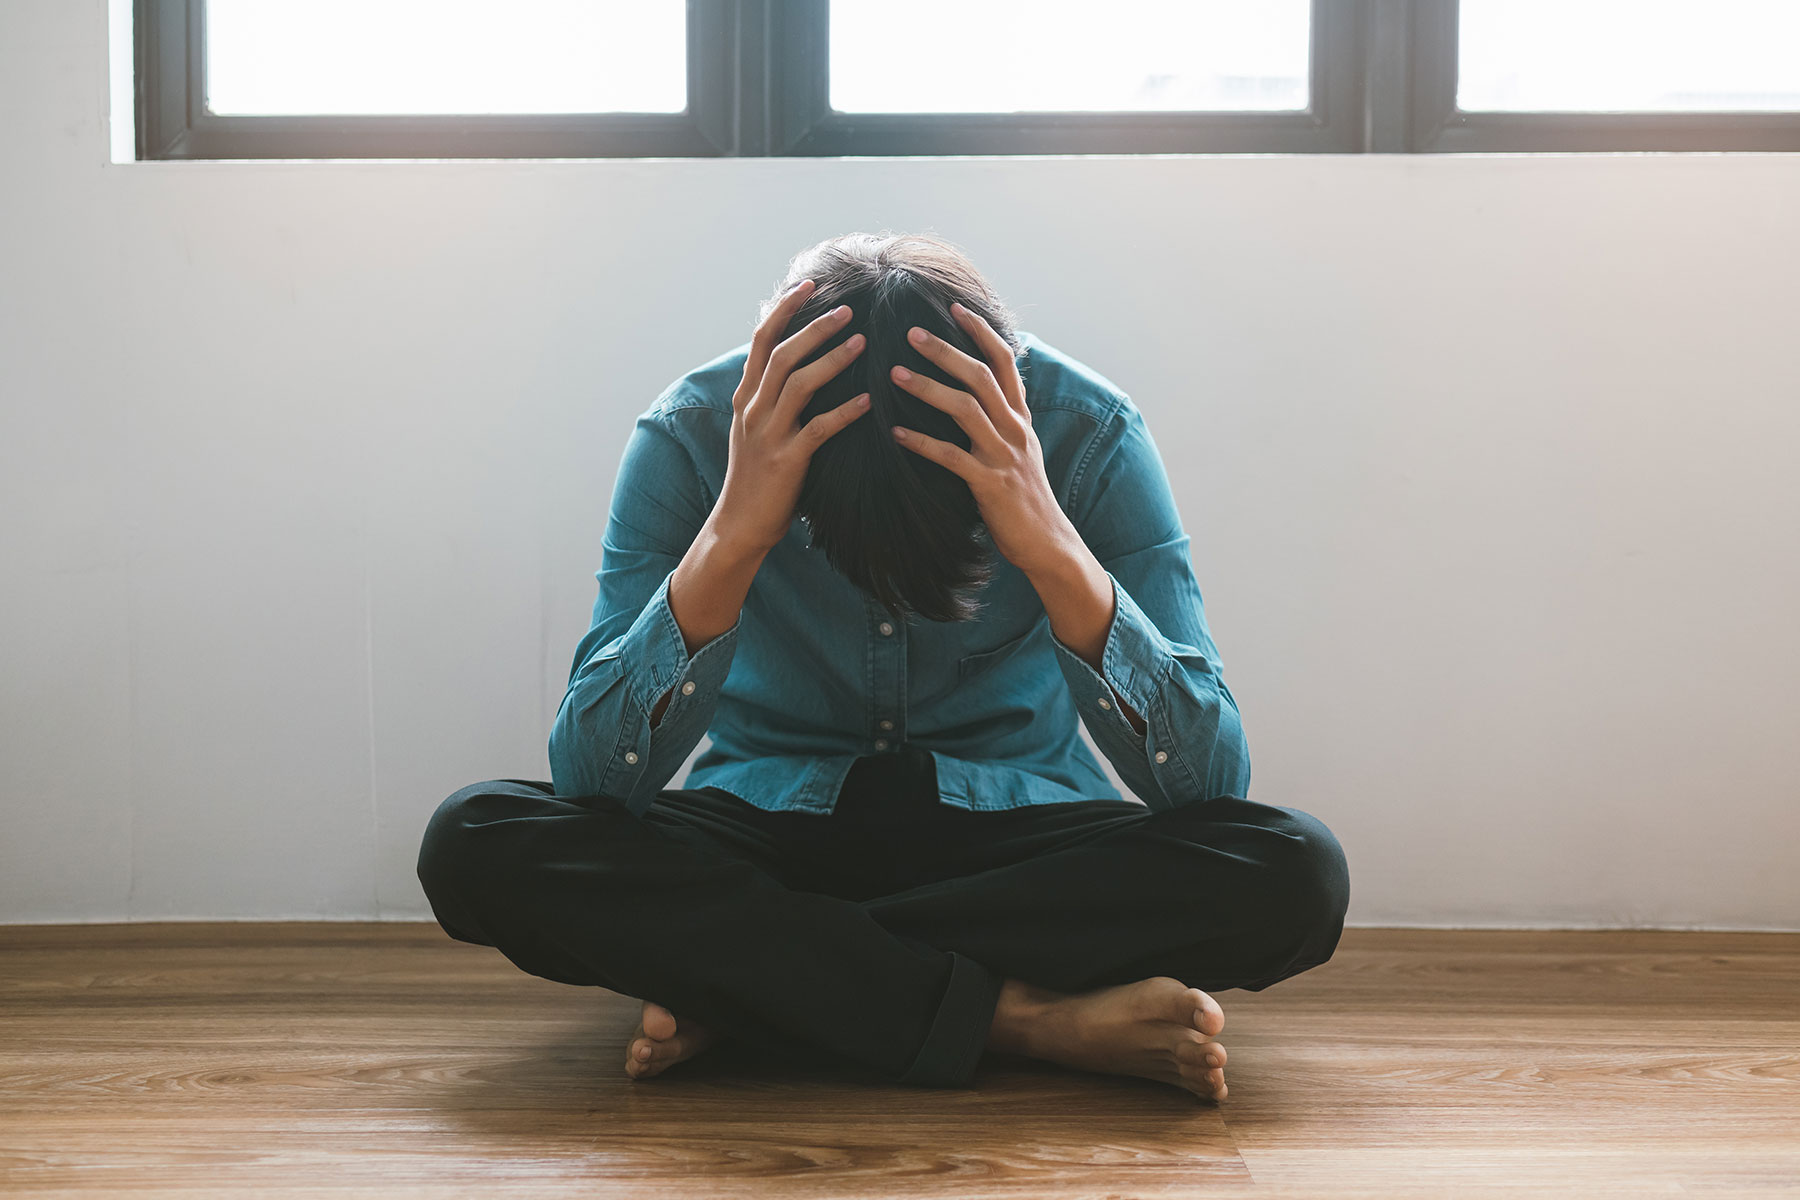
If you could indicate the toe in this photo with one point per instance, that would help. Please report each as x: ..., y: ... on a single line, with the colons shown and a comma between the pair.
x: 658, y: 1022
x: 1205, y: 1082
x: 1209, y: 1018
x: 1196, y: 1053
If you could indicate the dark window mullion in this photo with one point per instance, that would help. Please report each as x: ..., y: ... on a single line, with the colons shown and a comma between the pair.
x: 1387, y: 64
x: 798, y: 98
x: 1337, y: 84
x: 160, y: 87
x: 1434, y: 70
x: 717, y: 79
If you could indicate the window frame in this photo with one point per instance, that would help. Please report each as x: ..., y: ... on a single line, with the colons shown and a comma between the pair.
x: 804, y: 123
x: 1439, y: 126
x: 1382, y: 74
x: 169, y: 39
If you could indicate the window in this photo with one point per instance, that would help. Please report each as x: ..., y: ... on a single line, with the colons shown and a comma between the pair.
x: 1072, y: 77
x: 701, y: 78
x: 291, y: 57
x: 1607, y: 75
x: 432, y: 78
x: 1629, y: 56
x: 1070, y: 56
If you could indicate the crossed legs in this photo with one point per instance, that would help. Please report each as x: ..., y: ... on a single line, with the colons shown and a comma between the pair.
x: 903, y: 935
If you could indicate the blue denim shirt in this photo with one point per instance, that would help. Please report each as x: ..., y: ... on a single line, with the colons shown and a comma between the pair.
x: 815, y: 673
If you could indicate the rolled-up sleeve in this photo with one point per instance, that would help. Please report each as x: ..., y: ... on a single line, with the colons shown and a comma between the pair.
x: 1159, y: 654
x: 634, y: 652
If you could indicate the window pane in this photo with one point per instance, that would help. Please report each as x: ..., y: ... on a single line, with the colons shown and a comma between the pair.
x: 446, y: 56
x: 1069, y: 55
x: 1629, y: 55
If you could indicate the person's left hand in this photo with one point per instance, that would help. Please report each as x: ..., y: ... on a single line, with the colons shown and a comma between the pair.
x: 1004, y: 465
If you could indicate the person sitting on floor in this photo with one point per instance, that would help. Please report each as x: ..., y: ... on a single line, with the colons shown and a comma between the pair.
x: 889, y: 556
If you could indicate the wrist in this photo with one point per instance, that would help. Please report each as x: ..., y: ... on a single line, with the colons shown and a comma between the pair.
x: 1068, y: 562
x: 734, y: 543
x: 1077, y: 595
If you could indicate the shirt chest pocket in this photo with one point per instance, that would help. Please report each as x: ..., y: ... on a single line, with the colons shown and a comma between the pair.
x: 983, y: 661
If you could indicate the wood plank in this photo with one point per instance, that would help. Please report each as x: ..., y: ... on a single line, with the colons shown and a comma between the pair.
x: 1628, y: 1062
x: 386, y: 1059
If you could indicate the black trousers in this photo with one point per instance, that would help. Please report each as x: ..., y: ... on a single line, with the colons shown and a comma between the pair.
x: 881, y: 933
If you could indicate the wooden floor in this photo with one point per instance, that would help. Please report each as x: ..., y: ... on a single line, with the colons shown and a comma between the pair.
x: 387, y: 1060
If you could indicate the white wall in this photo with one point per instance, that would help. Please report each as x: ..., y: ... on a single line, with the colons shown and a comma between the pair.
x: 1489, y: 463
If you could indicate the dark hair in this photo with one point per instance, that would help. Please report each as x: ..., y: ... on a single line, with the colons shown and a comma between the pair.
x: 902, y: 528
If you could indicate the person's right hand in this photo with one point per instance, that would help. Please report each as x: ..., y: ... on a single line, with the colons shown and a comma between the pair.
x: 769, y: 456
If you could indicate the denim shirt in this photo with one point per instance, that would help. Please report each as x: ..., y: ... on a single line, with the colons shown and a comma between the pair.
x: 815, y: 673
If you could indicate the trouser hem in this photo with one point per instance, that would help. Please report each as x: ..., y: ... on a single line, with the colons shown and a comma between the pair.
x: 952, y: 1049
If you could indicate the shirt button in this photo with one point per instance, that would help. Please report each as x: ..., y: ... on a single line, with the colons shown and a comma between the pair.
x: 687, y: 689
x: 1105, y: 703
x: 881, y: 743
x: 886, y: 629
x: 886, y: 724
x: 631, y: 756
x: 1162, y: 756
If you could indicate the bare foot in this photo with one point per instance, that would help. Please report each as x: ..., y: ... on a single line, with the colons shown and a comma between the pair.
x: 658, y: 1044
x: 1157, y: 1028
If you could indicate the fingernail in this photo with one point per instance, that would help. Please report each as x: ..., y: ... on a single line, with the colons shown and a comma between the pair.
x: 958, y: 309
x: 854, y: 341
x: 902, y: 374
x: 917, y: 335
x: 841, y: 311
x: 862, y: 401
x: 899, y: 433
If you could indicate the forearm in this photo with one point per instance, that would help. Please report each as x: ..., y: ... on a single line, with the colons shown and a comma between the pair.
x: 1078, y: 598
x: 1189, y: 742
x: 708, y: 588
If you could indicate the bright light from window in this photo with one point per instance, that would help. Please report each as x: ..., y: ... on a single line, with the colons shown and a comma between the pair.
x: 1069, y: 55
x: 446, y: 56
x: 1629, y: 55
